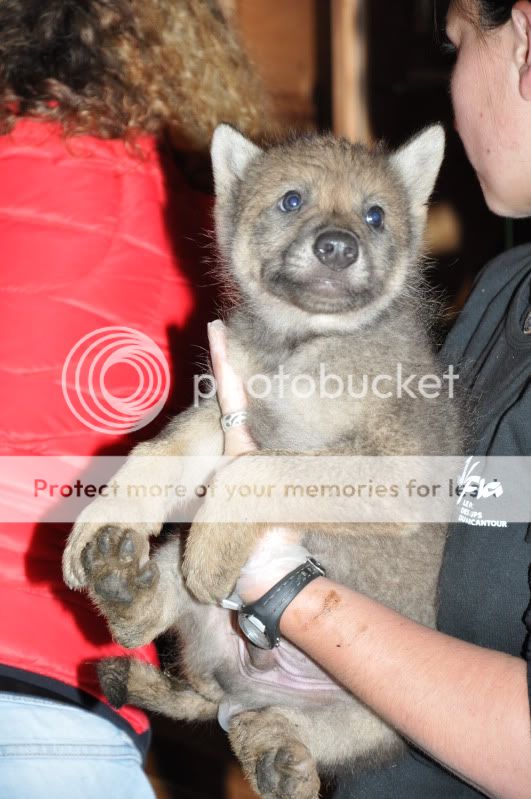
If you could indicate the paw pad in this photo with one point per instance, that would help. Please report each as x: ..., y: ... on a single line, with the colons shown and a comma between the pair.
x: 112, y: 565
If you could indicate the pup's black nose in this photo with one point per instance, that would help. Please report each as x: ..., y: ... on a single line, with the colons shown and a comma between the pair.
x: 336, y: 248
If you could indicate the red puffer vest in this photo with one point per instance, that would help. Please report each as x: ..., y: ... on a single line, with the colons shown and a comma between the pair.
x: 84, y: 243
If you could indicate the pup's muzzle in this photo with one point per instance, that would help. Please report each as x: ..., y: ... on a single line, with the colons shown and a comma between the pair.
x: 336, y: 249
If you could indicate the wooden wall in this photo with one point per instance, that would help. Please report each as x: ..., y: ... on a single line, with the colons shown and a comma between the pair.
x: 281, y: 38
x: 312, y: 57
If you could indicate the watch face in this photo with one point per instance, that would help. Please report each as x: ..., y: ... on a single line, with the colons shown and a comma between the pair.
x: 255, y: 631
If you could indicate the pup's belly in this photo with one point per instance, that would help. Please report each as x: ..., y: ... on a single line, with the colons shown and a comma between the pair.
x: 278, y: 672
x: 285, y: 666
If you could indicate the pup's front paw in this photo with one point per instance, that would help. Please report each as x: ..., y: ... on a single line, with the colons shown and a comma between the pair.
x: 214, y: 556
x: 96, y: 517
x: 122, y: 583
x: 112, y: 565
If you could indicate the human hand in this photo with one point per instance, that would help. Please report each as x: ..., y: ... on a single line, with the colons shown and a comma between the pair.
x: 278, y: 551
x: 231, y: 391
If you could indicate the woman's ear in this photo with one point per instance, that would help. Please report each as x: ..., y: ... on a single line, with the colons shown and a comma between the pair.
x: 521, y: 18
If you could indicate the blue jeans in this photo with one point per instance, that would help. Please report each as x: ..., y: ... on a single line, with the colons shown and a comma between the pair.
x: 50, y: 749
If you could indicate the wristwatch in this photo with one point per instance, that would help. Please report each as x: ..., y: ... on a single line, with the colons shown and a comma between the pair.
x: 260, y: 621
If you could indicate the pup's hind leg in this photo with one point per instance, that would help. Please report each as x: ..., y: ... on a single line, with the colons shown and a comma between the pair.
x: 276, y: 762
x: 128, y: 681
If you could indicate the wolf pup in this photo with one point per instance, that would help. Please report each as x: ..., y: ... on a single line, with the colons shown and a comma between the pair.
x: 322, y: 240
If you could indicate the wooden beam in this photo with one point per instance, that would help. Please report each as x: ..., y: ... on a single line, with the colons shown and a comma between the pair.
x: 349, y: 74
x: 280, y: 37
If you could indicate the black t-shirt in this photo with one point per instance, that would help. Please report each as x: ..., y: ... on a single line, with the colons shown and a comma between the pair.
x: 484, y: 588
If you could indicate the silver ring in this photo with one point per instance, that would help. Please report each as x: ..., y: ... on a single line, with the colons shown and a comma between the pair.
x: 235, y: 419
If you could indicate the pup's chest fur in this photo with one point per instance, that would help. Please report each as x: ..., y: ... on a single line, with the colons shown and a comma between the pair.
x: 318, y: 394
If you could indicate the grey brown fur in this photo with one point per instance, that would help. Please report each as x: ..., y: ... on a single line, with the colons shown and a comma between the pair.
x: 295, y: 310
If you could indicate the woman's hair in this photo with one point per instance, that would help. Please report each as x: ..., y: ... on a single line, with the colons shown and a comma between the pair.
x: 115, y: 68
x: 488, y: 14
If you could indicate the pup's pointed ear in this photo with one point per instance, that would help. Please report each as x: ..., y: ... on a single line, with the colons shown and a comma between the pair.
x: 231, y: 155
x: 419, y: 162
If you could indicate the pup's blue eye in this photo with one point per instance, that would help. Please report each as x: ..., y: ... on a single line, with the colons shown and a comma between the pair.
x: 375, y: 217
x: 291, y: 201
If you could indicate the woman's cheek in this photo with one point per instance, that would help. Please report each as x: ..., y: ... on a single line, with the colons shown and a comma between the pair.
x: 457, y: 96
x: 467, y: 117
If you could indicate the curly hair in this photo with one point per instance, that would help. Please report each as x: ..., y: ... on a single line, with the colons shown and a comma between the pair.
x: 116, y: 68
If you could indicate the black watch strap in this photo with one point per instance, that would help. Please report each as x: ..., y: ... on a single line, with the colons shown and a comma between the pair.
x: 269, y: 608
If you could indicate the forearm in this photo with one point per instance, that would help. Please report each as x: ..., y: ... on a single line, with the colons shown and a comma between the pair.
x: 464, y: 705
